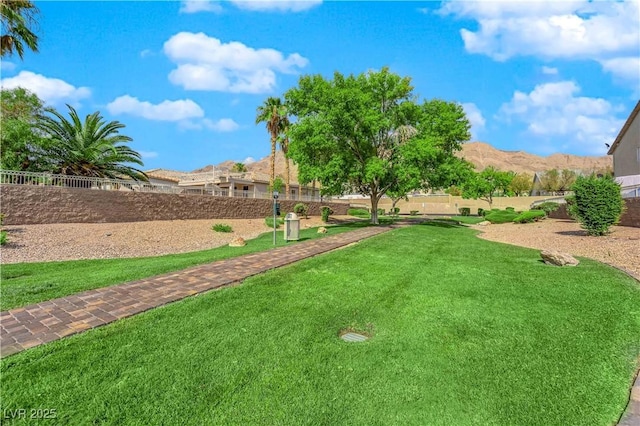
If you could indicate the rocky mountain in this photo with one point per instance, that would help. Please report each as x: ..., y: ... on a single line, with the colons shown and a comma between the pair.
x: 481, y: 154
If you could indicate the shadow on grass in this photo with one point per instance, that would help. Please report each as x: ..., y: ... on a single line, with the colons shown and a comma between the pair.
x: 443, y: 223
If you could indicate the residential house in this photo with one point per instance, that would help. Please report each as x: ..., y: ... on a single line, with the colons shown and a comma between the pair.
x: 626, y: 152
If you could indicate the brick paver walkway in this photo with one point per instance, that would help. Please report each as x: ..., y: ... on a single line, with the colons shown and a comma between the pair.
x: 29, y: 326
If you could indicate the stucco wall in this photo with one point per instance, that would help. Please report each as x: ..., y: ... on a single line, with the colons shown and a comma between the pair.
x: 625, y: 157
x: 23, y: 205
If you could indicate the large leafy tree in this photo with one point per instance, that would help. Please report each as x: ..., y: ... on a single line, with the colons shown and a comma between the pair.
x: 272, y: 112
x: 18, y: 19
x: 21, y: 142
x: 522, y: 184
x: 367, y: 134
x: 486, y: 184
x: 90, y: 148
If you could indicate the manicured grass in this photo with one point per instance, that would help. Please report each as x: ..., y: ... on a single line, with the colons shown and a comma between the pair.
x: 26, y: 283
x: 464, y: 332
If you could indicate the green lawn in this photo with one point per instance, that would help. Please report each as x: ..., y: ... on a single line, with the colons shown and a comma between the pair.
x: 464, y: 332
x: 26, y: 283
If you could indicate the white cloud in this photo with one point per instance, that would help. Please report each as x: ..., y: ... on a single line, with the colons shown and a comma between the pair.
x: 549, y: 70
x: 205, y: 63
x: 52, y: 91
x: 599, y: 31
x: 276, y: 5
x: 474, y: 115
x: 249, y: 160
x: 195, y: 6
x: 7, y: 66
x: 164, y: 111
x: 222, y: 125
x: 146, y: 53
x: 555, y: 110
x: 627, y: 69
x: 148, y: 154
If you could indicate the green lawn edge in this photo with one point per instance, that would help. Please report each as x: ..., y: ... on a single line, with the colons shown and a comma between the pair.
x: 23, y: 284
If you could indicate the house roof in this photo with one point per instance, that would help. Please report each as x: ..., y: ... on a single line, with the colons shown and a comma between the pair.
x: 165, y: 174
x: 624, y: 129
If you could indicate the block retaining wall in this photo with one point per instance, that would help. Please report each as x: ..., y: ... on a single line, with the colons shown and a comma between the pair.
x: 28, y: 205
x: 630, y: 217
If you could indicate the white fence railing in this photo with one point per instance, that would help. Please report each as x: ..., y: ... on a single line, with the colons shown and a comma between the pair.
x: 13, y: 177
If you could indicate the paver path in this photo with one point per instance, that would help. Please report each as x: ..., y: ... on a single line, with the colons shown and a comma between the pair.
x: 34, y: 325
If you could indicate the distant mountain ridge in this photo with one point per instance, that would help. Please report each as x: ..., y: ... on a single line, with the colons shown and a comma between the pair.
x: 481, y: 154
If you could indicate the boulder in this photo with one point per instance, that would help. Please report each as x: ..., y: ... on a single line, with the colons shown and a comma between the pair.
x: 237, y: 242
x: 552, y: 257
x: 484, y: 223
x: 322, y: 230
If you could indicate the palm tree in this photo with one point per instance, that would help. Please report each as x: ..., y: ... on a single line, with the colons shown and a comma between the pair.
x: 283, y: 141
x: 93, y: 148
x: 239, y: 168
x: 271, y: 113
x: 17, y: 16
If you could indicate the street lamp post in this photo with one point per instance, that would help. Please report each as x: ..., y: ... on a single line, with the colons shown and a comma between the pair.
x: 275, y: 204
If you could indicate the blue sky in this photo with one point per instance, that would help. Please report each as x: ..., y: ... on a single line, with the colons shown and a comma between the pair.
x: 186, y: 77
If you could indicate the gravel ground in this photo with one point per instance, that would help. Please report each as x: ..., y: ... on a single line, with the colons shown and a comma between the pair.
x: 66, y: 241
x: 621, y: 248
x: 39, y: 243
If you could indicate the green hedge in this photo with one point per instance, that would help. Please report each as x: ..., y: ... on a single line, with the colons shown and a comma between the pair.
x: 530, y: 216
x: 501, y: 216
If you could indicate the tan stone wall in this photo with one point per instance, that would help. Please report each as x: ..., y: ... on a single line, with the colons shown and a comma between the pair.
x: 24, y: 205
x: 449, y: 205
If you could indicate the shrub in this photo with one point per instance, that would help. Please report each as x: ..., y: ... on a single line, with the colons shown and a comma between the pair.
x: 510, y: 209
x: 3, y: 238
x: 530, y: 216
x: 394, y: 211
x: 325, y: 212
x: 269, y: 221
x: 480, y: 211
x: 361, y: 213
x: 597, y: 203
x: 547, y: 207
x: 464, y: 211
x: 221, y: 227
x: 380, y: 212
x: 501, y: 216
x: 301, y: 209
x: 413, y: 212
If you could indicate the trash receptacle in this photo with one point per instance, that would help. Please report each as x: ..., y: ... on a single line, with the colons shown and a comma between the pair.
x: 291, y: 227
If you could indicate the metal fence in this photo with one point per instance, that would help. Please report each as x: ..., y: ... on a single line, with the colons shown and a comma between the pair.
x: 12, y: 177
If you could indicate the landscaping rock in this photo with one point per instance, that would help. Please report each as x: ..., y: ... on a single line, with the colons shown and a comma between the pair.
x: 552, y: 257
x: 484, y: 223
x: 322, y: 230
x: 237, y: 242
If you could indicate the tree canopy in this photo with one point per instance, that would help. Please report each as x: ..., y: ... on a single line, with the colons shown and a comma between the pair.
x: 17, y: 18
x: 90, y: 148
x: 368, y: 134
x: 485, y: 184
x: 22, y: 143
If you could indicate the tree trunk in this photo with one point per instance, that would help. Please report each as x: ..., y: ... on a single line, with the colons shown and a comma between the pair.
x: 288, y: 172
x: 374, y: 209
x: 272, y: 163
